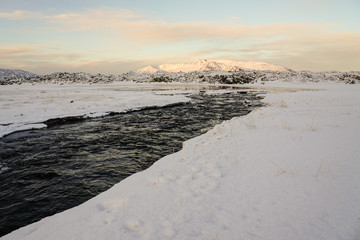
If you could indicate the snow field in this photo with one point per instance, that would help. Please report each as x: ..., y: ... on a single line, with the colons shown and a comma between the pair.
x: 289, y: 170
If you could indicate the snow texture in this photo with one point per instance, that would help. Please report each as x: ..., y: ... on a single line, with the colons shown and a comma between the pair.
x: 289, y: 170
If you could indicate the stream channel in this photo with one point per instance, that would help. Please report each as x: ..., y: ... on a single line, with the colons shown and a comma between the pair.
x: 53, y: 169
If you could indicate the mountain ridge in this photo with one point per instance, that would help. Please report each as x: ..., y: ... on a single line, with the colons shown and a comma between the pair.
x: 213, y: 65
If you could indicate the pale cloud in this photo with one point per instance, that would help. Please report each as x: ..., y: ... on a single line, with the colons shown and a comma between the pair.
x: 175, y: 32
x: 348, y: 43
x: 44, y: 59
x: 27, y: 56
x: 22, y: 15
x: 35, y: 51
x: 94, y: 19
x: 112, y: 66
x: 87, y: 16
x: 94, y: 15
x: 318, y: 52
x: 136, y: 27
x: 11, y: 50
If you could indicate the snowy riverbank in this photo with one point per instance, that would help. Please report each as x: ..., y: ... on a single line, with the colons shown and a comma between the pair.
x: 289, y: 170
x: 28, y: 106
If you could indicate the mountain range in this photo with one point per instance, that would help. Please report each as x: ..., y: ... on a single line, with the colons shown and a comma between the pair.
x: 213, y: 65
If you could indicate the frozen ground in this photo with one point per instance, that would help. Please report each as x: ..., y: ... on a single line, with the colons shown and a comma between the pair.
x: 28, y: 106
x: 289, y: 170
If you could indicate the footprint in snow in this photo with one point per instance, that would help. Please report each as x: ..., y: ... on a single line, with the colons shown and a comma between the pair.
x: 111, y: 205
x: 159, y: 180
x: 134, y: 225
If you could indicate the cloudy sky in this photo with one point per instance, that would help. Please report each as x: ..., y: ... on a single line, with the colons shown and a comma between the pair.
x: 45, y: 36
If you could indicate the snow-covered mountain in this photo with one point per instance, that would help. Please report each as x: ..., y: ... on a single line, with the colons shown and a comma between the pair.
x: 213, y: 65
x: 261, y: 66
x: 11, y: 73
x: 150, y: 69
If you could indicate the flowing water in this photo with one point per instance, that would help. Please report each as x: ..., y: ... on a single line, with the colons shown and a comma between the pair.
x: 49, y: 170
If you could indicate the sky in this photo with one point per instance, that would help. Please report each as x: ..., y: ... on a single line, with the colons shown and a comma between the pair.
x: 45, y: 36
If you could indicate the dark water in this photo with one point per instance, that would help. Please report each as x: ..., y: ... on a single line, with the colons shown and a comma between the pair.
x: 50, y: 170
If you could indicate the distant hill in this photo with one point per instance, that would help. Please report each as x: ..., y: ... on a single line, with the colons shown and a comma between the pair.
x: 13, y: 73
x: 221, y: 71
x: 213, y: 65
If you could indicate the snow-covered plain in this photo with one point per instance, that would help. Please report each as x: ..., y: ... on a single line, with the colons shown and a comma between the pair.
x: 28, y: 106
x: 289, y: 170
